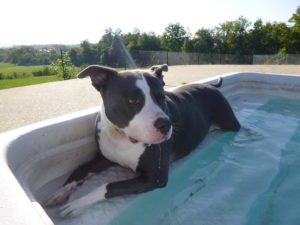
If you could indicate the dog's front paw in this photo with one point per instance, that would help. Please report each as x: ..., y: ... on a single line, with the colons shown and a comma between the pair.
x: 69, y: 209
x: 61, y: 195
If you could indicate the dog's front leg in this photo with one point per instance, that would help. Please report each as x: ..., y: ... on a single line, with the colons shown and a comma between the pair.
x: 153, y: 173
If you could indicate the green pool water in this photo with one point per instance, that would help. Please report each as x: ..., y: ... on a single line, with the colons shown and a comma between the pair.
x: 250, y: 177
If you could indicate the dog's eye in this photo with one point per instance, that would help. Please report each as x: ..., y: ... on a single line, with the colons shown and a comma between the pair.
x: 134, y: 100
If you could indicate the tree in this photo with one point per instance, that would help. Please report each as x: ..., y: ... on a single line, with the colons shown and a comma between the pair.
x: 106, y: 39
x: 174, y: 37
x: 105, y: 46
x: 30, y: 55
x: 189, y: 45
x: 63, y: 66
x: 204, y: 41
x: 75, y: 55
x: 231, y: 37
x: 295, y: 32
x: 270, y: 38
x: 149, y: 42
x: 296, y: 18
x: 130, y: 40
x: 141, y: 41
x: 89, y: 53
x: 255, y: 38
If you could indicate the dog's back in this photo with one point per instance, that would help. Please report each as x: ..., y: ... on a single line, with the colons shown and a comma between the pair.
x: 192, y: 110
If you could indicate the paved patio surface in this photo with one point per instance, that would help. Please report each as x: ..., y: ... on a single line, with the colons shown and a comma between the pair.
x: 26, y: 105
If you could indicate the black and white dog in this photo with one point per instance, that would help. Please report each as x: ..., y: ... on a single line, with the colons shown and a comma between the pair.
x: 144, y: 128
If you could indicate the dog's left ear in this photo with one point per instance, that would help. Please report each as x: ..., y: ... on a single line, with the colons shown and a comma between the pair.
x: 158, y: 69
x: 100, y: 75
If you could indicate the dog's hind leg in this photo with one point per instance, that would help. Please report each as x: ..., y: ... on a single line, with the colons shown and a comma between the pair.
x: 81, y: 174
x: 224, y: 116
x: 96, y: 165
x: 152, y: 173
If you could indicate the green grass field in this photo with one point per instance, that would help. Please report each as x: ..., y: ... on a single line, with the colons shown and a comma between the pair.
x: 8, y: 69
x: 17, y: 76
x: 4, y: 84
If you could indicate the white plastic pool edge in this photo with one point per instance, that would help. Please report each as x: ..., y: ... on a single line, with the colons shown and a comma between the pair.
x: 32, y: 156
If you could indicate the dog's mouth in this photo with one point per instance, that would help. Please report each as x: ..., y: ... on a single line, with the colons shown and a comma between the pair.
x: 133, y: 140
x: 156, y: 141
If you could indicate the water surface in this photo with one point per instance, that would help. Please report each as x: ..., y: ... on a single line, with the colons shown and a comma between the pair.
x: 250, y: 177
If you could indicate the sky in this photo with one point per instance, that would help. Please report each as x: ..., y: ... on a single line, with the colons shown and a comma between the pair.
x: 26, y: 22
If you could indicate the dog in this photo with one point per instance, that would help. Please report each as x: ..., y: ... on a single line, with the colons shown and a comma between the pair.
x: 143, y: 127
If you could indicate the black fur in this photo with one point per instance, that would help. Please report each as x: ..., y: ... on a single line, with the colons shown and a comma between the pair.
x: 192, y: 109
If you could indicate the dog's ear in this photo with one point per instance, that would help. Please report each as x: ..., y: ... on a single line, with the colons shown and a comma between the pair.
x: 99, y: 75
x: 158, y: 69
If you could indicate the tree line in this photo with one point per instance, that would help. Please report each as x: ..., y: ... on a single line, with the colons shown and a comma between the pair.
x: 239, y: 37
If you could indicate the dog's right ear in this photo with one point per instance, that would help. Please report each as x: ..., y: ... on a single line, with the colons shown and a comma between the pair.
x: 99, y: 75
x: 158, y: 70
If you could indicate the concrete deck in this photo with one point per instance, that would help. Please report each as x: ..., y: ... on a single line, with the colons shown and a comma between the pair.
x: 30, y: 104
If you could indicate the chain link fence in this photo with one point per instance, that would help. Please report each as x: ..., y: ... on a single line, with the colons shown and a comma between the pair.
x: 276, y: 59
x: 147, y: 58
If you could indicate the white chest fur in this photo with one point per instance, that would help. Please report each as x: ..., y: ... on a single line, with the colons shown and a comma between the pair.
x: 117, y: 147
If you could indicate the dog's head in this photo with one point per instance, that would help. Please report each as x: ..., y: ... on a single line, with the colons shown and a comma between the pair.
x: 134, y: 101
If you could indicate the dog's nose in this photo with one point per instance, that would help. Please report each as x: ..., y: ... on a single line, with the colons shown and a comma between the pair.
x: 163, y: 125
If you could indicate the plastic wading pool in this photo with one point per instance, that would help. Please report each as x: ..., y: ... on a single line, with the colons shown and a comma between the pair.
x: 36, y: 159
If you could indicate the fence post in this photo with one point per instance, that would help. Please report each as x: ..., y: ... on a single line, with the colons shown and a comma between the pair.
x: 167, y: 58
x: 62, y: 63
